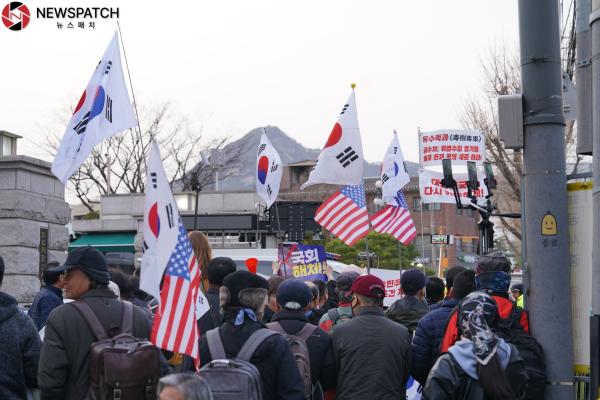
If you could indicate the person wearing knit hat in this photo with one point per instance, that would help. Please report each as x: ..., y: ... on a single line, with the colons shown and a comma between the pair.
x: 68, y: 336
x: 337, y: 316
x: 243, y: 298
x: 371, y: 345
x: 412, y: 307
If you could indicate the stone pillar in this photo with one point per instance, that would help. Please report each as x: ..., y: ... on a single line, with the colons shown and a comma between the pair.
x: 32, y: 208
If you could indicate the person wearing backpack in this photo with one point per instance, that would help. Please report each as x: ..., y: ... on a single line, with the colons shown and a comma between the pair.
x: 312, y: 346
x: 65, y: 369
x: 372, y: 353
x: 492, y: 276
x: 335, y: 317
x: 242, y: 356
x: 481, y: 365
x: 430, y: 330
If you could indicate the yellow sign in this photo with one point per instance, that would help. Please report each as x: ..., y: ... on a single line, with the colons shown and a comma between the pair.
x: 549, y: 227
x: 302, y: 270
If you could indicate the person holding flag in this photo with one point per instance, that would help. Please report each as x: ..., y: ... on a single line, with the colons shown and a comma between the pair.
x: 170, y: 270
x: 103, y: 110
x: 268, y: 170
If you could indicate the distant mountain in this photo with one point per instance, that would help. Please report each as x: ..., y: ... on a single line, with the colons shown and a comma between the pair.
x: 289, y: 150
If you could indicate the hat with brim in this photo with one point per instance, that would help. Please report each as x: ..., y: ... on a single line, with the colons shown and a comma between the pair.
x: 90, y: 261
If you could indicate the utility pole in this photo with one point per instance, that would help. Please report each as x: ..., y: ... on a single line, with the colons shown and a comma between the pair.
x: 545, y: 187
x: 595, y: 116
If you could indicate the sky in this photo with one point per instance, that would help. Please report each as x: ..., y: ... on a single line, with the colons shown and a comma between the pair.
x: 230, y: 66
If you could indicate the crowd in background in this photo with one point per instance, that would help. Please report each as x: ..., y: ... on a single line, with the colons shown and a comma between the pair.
x: 464, y: 337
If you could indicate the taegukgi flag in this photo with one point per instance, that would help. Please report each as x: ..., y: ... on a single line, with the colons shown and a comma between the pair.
x: 393, y: 172
x: 103, y: 110
x: 161, y: 225
x: 341, y: 160
x: 268, y: 170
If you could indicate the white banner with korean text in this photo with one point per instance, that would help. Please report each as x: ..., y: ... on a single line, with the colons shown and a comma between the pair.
x: 432, y: 191
x: 456, y: 145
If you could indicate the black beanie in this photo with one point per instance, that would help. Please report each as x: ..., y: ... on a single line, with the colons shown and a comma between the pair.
x: 241, y: 280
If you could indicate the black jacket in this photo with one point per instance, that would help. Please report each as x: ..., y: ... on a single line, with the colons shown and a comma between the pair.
x: 373, y: 357
x: 212, y: 319
x: 19, y: 350
x: 64, y: 370
x: 408, y: 311
x: 273, y: 359
x: 320, y: 348
x: 47, y: 299
x: 448, y: 381
x: 427, y: 339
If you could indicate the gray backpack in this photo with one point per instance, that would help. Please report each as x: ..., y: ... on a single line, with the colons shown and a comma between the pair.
x: 234, y: 379
x: 300, y: 350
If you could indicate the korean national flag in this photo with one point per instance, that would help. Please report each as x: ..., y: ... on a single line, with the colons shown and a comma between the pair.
x: 341, y: 161
x: 103, y: 110
x: 268, y: 171
x: 393, y: 172
x: 161, y: 224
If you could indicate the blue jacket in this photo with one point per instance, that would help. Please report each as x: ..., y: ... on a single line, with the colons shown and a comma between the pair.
x: 427, y: 339
x: 47, y: 299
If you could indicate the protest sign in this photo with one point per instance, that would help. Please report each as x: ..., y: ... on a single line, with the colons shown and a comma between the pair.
x: 432, y: 191
x: 302, y: 261
x: 391, y: 279
x: 456, y: 145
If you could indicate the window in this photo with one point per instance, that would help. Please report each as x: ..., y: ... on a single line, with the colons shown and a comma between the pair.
x: 6, y: 145
x: 426, y: 207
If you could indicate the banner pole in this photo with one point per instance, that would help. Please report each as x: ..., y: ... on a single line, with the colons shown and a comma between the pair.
x: 130, y: 82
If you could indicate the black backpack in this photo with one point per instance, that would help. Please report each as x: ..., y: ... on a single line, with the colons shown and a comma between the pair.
x: 530, y: 350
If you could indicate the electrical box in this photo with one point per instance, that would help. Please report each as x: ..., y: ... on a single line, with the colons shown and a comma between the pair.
x: 510, y: 120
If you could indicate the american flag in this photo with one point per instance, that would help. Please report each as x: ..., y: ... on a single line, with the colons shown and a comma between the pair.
x: 345, y: 214
x: 396, y: 221
x: 174, y: 326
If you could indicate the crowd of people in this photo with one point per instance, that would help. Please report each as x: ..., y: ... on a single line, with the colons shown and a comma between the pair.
x: 459, y: 338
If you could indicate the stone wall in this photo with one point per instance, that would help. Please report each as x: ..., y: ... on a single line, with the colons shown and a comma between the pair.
x: 31, y: 199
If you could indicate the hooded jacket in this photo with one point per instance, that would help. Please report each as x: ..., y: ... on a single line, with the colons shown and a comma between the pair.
x: 20, y: 344
x: 64, y: 369
x: 408, y: 311
x: 454, y: 375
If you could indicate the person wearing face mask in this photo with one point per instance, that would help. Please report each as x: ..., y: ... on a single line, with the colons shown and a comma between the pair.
x: 372, y: 352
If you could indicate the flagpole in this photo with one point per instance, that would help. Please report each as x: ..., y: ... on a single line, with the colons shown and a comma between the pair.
x: 130, y: 83
x: 279, y: 239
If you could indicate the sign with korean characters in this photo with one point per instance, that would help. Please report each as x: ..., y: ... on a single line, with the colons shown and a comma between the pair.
x: 456, y: 145
x: 391, y: 279
x: 302, y: 261
x: 432, y: 191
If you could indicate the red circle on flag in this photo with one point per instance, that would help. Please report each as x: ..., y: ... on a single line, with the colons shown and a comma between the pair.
x: 80, y: 104
x: 335, y: 135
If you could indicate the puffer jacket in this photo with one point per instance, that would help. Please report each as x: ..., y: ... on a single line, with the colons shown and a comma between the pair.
x: 454, y: 375
x: 427, y: 339
x: 20, y: 344
x: 408, y: 311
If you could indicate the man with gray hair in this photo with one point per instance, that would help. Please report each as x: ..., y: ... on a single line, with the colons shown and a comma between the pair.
x: 186, y: 386
x: 243, y: 297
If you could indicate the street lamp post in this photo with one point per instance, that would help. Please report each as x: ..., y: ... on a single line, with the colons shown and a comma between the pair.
x: 196, y: 188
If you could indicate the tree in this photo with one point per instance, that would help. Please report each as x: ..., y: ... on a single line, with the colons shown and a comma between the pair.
x: 383, y: 245
x: 502, y: 76
x: 117, y: 165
